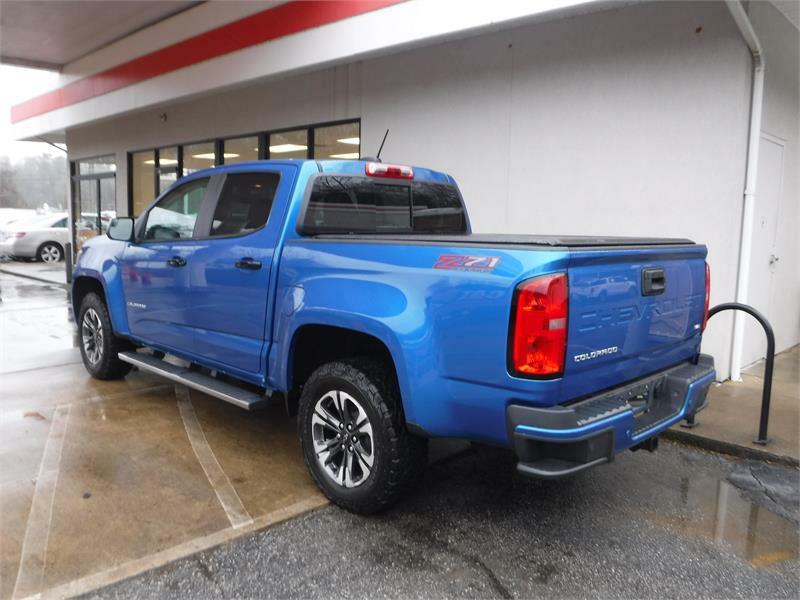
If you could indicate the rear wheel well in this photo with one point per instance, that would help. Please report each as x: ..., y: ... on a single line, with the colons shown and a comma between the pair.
x: 316, y: 345
x: 80, y: 288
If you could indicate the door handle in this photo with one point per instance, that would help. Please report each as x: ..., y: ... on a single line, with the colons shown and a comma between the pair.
x: 176, y: 261
x: 248, y: 263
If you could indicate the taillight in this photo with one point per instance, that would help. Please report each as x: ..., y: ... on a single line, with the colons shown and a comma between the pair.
x: 708, y: 294
x: 539, y: 327
x: 393, y: 171
x: 18, y: 234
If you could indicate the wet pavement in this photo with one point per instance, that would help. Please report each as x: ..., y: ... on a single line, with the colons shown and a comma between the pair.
x: 677, y: 523
x: 101, y: 476
x: 103, y: 481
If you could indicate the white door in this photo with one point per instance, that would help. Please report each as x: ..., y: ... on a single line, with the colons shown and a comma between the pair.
x: 763, y: 261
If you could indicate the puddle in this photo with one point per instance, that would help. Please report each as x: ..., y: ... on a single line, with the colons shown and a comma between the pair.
x: 717, y: 510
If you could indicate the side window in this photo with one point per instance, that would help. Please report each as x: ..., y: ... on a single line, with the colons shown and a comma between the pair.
x: 61, y: 223
x: 244, y: 203
x: 174, y: 216
x: 357, y: 204
x: 437, y: 208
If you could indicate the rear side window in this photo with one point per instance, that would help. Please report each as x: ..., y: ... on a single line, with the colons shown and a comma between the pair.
x: 345, y: 204
x: 244, y: 203
x: 437, y: 208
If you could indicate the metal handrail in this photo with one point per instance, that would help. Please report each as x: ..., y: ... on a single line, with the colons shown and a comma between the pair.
x: 766, y: 392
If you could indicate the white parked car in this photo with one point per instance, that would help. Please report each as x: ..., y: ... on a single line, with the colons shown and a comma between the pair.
x: 43, y: 237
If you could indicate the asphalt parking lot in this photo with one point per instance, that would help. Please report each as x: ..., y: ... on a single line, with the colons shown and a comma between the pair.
x: 678, y: 523
x: 137, y: 488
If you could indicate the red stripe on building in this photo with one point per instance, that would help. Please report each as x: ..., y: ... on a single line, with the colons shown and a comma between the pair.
x: 281, y: 21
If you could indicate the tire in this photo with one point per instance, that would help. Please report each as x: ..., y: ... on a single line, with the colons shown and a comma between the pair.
x: 50, y: 252
x: 368, y: 391
x: 98, y: 343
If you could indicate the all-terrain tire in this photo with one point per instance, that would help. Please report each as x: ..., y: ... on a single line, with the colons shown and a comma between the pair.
x: 398, y: 456
x: 104, y: 364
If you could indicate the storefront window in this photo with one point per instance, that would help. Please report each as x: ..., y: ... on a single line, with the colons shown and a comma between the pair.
x: 167, y: 167
x: 93, y: 196
x: 198, y: 156
x: 337, y: 141
x: 238, y: 150
x: 94, y: 166
x: 289, y: 144
x: 143, y: 172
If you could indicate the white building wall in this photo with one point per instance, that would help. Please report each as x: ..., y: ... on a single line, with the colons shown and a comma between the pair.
x: 626, y: 122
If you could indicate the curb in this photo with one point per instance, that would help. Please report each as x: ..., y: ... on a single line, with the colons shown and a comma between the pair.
x: 34, y: 278
x: 722, y: 447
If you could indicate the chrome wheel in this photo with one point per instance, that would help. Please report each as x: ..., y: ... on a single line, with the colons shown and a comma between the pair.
x: 50, y: 254
x: 92, y: 335
x: 342, y: 436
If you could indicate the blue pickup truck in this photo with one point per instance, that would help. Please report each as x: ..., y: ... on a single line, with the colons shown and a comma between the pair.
x: 355, y: 292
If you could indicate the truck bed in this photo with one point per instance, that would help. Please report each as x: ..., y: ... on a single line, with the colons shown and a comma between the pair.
x: 495, y: 239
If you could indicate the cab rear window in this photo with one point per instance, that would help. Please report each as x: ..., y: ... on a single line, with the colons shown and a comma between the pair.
x: 346, y: 204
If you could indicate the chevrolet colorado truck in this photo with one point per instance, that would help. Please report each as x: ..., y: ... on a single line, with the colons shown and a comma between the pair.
x: 355, y: 292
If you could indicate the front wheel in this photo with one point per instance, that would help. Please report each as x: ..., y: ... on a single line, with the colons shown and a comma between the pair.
x: 99, y: 346
x: 354, y: 440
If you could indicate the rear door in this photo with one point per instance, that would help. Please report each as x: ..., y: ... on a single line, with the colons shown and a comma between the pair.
x: 231, y: 268
x: 155, y: 276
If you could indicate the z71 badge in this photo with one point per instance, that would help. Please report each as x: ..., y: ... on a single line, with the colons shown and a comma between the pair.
x: 462, y: 262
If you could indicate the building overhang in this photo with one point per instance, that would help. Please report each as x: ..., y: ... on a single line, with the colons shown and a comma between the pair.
x: 206, y: 49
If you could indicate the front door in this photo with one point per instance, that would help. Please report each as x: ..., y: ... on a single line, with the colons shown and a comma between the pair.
x: 155, y: 274
x: 230, y: 271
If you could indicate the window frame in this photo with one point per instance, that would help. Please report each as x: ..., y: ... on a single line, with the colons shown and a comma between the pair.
x: 141, y: 223
x: 304, y: 231
x: 213, y: 207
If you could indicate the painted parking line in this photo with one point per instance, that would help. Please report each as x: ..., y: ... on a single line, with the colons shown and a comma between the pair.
x: 223, y: 488
x: 37, y: 530
x: 158, y: 559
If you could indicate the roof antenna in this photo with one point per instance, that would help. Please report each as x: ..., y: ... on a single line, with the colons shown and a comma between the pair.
x: 385, y: 135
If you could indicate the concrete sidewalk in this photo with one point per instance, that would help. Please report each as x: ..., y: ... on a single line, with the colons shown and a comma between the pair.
x: 43, y: 272
x: 730, y: 423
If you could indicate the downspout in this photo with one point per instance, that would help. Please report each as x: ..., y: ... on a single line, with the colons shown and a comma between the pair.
x: 743, y: 276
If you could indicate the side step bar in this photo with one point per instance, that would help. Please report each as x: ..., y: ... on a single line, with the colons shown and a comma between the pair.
x: 197, y: 381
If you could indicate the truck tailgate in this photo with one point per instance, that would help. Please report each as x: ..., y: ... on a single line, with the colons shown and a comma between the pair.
x: 632, y: 311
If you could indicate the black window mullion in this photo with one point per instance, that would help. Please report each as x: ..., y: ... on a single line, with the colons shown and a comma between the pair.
x: 310, y: 142
x: 156, y: 182
x: 263, y: 149
x: 180, y: 161
x: 219, y: 156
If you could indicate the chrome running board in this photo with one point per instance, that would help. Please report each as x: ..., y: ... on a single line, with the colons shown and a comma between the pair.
x: 197, y: 381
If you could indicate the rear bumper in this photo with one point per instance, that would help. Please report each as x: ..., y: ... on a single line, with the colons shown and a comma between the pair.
x: 562, y: 440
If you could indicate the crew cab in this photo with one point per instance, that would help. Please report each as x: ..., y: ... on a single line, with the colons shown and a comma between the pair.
x: 355, y: 292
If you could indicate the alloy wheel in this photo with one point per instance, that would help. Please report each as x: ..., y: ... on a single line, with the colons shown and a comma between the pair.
x: 92, y: 336
x: 343, y: 439
x: 50, y: 254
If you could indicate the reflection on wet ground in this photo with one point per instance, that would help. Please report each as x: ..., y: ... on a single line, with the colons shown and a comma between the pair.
x: 36, y: 325
x: 718, y: 511
x: 97, y: 474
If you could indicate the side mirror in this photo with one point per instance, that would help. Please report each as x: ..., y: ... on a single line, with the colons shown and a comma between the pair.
x: 121, y: 229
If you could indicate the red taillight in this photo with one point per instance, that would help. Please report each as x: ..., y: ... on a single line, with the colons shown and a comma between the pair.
x: 18, y: 234
x: 394, y: 171
x: 708, y: 294
x: 539, y: 327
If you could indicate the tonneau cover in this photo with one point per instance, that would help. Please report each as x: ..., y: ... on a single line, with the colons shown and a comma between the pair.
x: 499, y: 239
